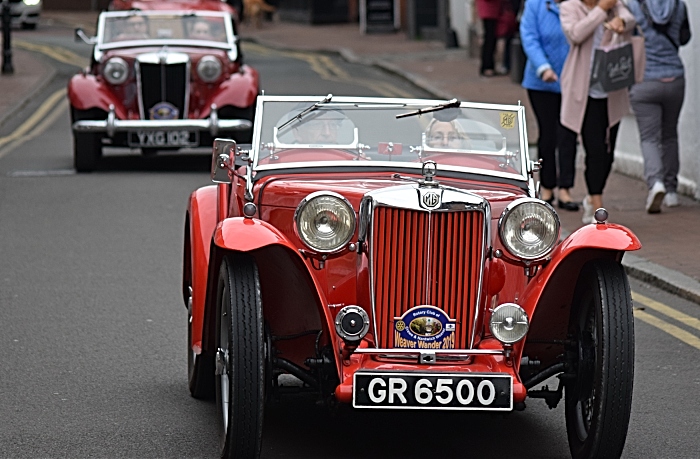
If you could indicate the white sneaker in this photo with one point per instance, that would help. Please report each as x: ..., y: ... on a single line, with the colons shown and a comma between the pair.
x: 656, y: 196
x: 671, y: 200
x: 588, y: 211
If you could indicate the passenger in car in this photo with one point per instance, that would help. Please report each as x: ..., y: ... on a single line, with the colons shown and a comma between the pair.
x: 446, y: 134
x: 201, y: 30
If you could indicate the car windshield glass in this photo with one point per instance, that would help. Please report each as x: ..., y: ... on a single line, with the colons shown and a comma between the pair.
x: 474, y: 136
x: 164, y: 27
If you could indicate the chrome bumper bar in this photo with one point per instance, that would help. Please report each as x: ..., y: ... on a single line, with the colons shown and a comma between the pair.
x: 112, y: 125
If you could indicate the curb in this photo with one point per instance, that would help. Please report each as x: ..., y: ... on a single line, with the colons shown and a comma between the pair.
x: 666, y: 279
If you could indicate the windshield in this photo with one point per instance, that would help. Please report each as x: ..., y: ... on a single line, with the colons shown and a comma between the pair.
x: 367, y: 132
x: 117, y: 28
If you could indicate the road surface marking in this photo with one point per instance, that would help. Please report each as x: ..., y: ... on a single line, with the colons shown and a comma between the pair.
x: 672, y: 330
x: 54, y: 52
x: 667, y: 311
x: 42, y: 118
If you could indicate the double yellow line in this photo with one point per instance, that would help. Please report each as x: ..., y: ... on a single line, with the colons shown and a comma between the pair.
x: 673, y: 330
x: 325, y: 68
x: 41, y: 119
x: 54, y: 52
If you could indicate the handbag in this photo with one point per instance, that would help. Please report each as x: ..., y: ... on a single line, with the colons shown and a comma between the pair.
x: 613, y: 67
x: 639, y: 54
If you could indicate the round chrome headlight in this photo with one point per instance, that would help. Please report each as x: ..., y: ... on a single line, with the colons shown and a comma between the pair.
x: 31, y: 2
x: 116, y: 70
x: 509, y: 323
x: 529, y: 228
x: 325, y: 221
x: 209, y: 69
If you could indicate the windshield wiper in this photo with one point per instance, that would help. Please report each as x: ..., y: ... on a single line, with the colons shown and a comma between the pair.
x: 307, y: 110
x: 454, y: 103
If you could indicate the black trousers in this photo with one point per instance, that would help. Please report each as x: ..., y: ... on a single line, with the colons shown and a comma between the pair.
x: 598, y: 143
x: 488, y: 48
x: 557, y: 170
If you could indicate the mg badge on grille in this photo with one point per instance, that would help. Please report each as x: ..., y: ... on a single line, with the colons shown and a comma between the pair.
x: 164, y: 111
x: 431, y: 199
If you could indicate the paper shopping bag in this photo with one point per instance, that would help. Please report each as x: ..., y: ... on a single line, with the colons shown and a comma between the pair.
x: 613, y: 68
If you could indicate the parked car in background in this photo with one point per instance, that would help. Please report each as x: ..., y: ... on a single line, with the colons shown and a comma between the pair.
x: 392, y: 254
x: 161, y: 80
x: 25, y: 13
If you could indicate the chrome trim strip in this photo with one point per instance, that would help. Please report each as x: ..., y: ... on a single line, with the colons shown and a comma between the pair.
x: 487, y: 242
x: 139, y: 92
x: 374, y: 351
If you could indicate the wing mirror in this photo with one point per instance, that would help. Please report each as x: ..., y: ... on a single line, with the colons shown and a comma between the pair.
x: 223, y: 160
x: 80, y: 35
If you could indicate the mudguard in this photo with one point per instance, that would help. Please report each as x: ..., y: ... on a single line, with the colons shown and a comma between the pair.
x: 240, y: 91
x: 240, y: 234
x: 85, y: 92
x: 201, y: 220
x: 548, y: 296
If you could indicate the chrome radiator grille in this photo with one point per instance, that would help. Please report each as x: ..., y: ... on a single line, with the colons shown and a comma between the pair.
x: 163, y: 83
x: 425, y: 258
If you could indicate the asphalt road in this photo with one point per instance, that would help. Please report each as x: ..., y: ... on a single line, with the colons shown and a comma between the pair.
x: 93, y: 360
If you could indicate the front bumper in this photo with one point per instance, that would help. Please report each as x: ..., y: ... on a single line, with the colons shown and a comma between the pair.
x: 485, y: 361
x: 112, y: 125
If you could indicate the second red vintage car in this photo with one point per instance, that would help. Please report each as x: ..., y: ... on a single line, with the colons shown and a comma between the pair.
x: 161, y: 80
x: 391, y: 254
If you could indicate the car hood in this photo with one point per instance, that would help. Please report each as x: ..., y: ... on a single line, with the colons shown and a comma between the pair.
x: 288, y: 192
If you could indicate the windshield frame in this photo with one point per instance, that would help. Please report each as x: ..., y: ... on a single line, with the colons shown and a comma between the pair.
x: 259, y: 170
x: 230, y: 43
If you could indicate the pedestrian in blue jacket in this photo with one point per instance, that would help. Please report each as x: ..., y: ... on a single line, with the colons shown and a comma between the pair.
x: 546, y: 49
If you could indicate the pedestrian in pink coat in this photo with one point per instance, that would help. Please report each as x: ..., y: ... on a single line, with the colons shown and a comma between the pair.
x: 489, y: 11
x: 595, y: 115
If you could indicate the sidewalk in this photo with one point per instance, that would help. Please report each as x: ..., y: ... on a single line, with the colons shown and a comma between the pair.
x: 667, y: 258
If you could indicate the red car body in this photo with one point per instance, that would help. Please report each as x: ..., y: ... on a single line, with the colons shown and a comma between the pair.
x: 161, y: 75
x: 447, y: 269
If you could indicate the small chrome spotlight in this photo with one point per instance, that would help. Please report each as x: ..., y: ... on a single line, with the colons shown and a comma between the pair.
x: 352, y: 323
x: 509, y: 323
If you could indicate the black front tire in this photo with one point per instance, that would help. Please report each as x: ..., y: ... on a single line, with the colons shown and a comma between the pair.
x: 599, y: 399
x: 87, y: 148
x: 240, y: 394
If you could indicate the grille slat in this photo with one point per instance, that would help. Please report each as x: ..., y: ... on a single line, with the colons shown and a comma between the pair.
x: 404, y: 244
x: 163, y: 83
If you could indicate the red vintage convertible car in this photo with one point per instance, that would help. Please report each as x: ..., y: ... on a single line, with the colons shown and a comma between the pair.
x: 161, y: 80
x: 392, y: 254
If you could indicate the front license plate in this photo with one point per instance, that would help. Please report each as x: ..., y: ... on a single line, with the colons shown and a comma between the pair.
x: 435, y: 391
x: 180, y: 138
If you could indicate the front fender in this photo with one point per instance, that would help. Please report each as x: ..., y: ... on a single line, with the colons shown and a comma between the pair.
x: 86, y: 92
x: 294, y: 300
x: 547, y: 298
x: 201, y: 221
x: 239, y: 91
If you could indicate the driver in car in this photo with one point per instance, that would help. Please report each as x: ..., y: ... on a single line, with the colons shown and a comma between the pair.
x: 134, y: 28
x: 320, y: 128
